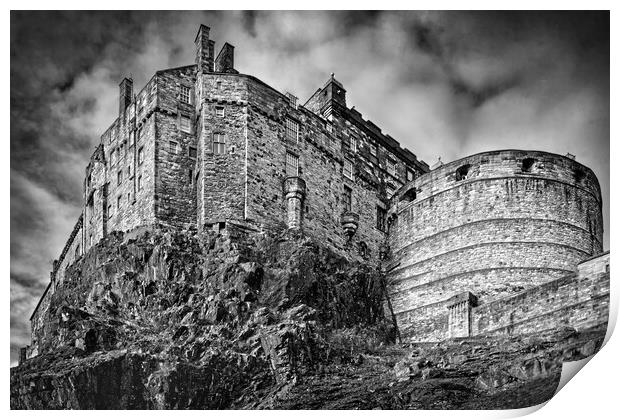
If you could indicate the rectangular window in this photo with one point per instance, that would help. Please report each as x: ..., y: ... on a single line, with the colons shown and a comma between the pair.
x: 129, y: 197
x: 219, y: 111
x: 112, y: 157
x: 328, y: 113
x: 186, y: 124
x: 381, y: 215
x: 391, y: 167
x: 219, y: 143
x: 353, y: 144
x: 192, y: 152
x: 140, y: 183
x: 131, y: 138
x: 140, y: 155
x: 347, y: 169
x: 292, y: 129
x: 292, y: 164
x: 410, y: 175
x: 139, y: 132
x: 185, y: 95
x: 373, y: 149
x: 119, y: 178
x: 347, y: 198
x: 173, y: 147
x: 390, y: 190
x: 191, y: 177
x: 109, y: 211
x: 118, y: 202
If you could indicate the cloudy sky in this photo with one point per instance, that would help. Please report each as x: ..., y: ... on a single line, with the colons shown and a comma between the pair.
x: 444, y: 84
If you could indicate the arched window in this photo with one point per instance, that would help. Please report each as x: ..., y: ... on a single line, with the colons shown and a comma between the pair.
x: 527, y: 164
x: 462, y: 172
x: 409, y: 195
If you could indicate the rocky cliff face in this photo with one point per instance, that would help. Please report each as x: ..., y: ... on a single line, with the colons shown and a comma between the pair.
x: 165, y: 319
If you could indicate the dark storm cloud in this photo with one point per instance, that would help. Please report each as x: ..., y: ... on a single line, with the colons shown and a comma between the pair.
x: 442, y: 83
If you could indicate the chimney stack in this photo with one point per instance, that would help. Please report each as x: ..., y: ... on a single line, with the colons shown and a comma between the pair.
x: 204, y: 50
x: 126, y: 94
x: 225, y: 61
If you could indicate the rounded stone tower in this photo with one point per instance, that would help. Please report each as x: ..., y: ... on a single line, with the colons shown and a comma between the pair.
x: 491, y: 224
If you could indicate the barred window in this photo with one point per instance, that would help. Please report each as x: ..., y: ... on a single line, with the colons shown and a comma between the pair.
x: 219, y: 111
x: 292, y: 164
x: 185, y: 123
x: 174, y: 146
x: 347, y: 169
x: 347, y: 198
x: 219, y: 143
x: 292, y: 129
x: 381, y: 216
x: 185, y: 94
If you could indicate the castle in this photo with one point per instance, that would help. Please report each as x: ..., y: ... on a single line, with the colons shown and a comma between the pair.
x: 203, y: 146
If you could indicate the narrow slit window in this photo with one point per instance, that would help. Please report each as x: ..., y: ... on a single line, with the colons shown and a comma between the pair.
x: 140, y: 155
x: 347, y: 199
x: 381, y: 217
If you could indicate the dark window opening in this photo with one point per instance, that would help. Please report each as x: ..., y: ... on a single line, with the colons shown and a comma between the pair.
x: 409, y: 196
x: 527, y: 164
x: 381, y: 219
x: 192, y: 152
x: 462, y: 172
x: 580, y: 175
x: 347, y: 198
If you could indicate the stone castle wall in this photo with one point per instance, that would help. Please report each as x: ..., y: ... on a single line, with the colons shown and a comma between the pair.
x: 502, y: 229
x: 488, y: 228
x: 579, y: 300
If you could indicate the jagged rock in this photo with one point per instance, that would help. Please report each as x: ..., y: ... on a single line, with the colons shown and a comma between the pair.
x: 185, y: 320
